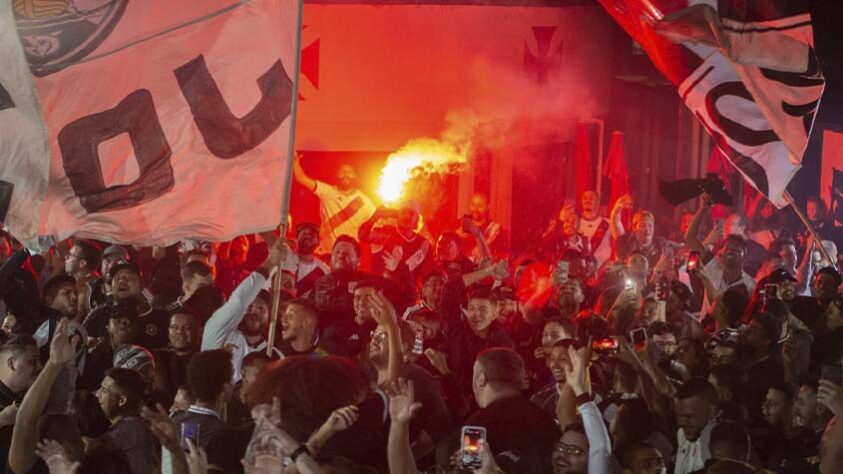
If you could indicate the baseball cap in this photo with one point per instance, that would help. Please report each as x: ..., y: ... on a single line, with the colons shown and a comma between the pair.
x: 778, y: 276
x: 123, y: 266
x: 118, y: 250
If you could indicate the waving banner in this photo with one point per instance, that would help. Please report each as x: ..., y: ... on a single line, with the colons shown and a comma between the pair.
x: 747, y: 71
x: 164, y: 120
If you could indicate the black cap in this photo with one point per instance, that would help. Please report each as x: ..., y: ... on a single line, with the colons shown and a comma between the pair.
x: 778, y: 276
x: 123, y: 266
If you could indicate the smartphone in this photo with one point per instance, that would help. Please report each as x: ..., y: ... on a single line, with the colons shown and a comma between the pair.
x: 606, y: 346
x: 693, y: 262
x: 662, y: 289
x: 638, y: 336
x: 471, y: 449
x: 832, y: 373
x: 189, y: 431
x: 418, y: 341
x: 562, y: 269
x: 770, y: 292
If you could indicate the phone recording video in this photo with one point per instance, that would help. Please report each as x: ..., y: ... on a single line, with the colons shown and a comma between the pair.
x: 189, y: 431
x: 693, y: 262
x: 638, y: 336
x: 607, y: 346
x: 471, y: 449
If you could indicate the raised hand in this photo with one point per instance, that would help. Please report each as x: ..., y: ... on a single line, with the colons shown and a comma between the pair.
x: 391, y: 260
x: 438, y: 360
x: 402, y: 404
x: 577, y: 375
x: 278, y: 253
x: 500, y: 270
x: 162, y: 427
x: 341, y: 419
x: 383, y: 311
x: 56, y: 457
x: 62, y: 350
x: 197, y: 459
x: 831, y: 395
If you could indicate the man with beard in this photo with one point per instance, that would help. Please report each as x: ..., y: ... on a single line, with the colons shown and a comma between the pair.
x: 100, y: 289
x: 342, y: 208
x: 171, y: 363
x: 695, y: 407
x: 497, y: 240
x: 334, y: 292
x: 809, y: 413
x: 300, y: 329
x: 432, y: 423
x: 240, y: 324
x: 595, y: 227
x: 789, y: 446
x: 403, y: 248
x: 810, y: 309
x: 126, y: 285
x: 303, y: 265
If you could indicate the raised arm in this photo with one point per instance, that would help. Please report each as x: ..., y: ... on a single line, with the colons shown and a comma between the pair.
x: 615, y: 224
x: 692, y: 235
x: 599, y: 444
x: 22, y: 454
x: 300, y: 176
x: 806, y: 269
x: 367, y: 232
x: 385, y: 315
x: 402, y: 408
x: 225, y: 320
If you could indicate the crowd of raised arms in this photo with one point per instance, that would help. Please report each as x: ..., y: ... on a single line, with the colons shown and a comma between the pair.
x: 609, y: 346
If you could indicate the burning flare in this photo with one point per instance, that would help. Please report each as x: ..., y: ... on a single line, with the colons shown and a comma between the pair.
x: 423, y: 156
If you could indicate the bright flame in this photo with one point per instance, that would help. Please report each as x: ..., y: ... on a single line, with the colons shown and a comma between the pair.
x: 422, y: 156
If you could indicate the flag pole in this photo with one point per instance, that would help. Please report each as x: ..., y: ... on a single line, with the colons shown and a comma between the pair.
x: 288, y: 183
x: 811, y: 230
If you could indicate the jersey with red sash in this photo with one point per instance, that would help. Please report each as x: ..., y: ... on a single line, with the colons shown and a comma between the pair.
x: 416, y: 252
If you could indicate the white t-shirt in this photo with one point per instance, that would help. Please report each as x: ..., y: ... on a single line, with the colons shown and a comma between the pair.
x: 340, y: 213
x: 692, y: 455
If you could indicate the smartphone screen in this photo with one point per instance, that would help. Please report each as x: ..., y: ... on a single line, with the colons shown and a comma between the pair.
x: 693, y: 262
x: 638, y: 336
x: 605, y: 346
x: 189, y: 431
x: 471, y: 449
x: 418, y: 341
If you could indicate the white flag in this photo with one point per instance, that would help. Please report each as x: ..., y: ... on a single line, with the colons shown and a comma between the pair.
x: 165, y: 120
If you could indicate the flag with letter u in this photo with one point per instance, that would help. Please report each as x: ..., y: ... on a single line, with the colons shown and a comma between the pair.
x: 145, y: 122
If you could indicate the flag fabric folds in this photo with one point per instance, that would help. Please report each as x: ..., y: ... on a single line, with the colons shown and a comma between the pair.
x: 747, y: 70
x: 164, y: 120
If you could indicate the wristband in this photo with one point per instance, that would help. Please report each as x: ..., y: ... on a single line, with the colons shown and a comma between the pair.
x: 584, y: 398
x: 299, y: 451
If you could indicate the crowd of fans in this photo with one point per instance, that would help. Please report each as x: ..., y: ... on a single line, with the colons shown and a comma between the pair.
x: 609, y: 347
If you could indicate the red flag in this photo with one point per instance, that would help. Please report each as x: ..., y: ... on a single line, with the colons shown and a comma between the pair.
x: 615, y: 169
x: 583, y: 177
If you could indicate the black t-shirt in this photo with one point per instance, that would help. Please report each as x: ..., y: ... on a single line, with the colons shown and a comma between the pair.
x: 346, y: 339
x: 153, y: 329
x: 517, y: 425
x: 760, y: 376
x: 364, y: 442
x: 7, y: 397
x: 224, y: 446
x: 171, y: 371
x: 433, y: 417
